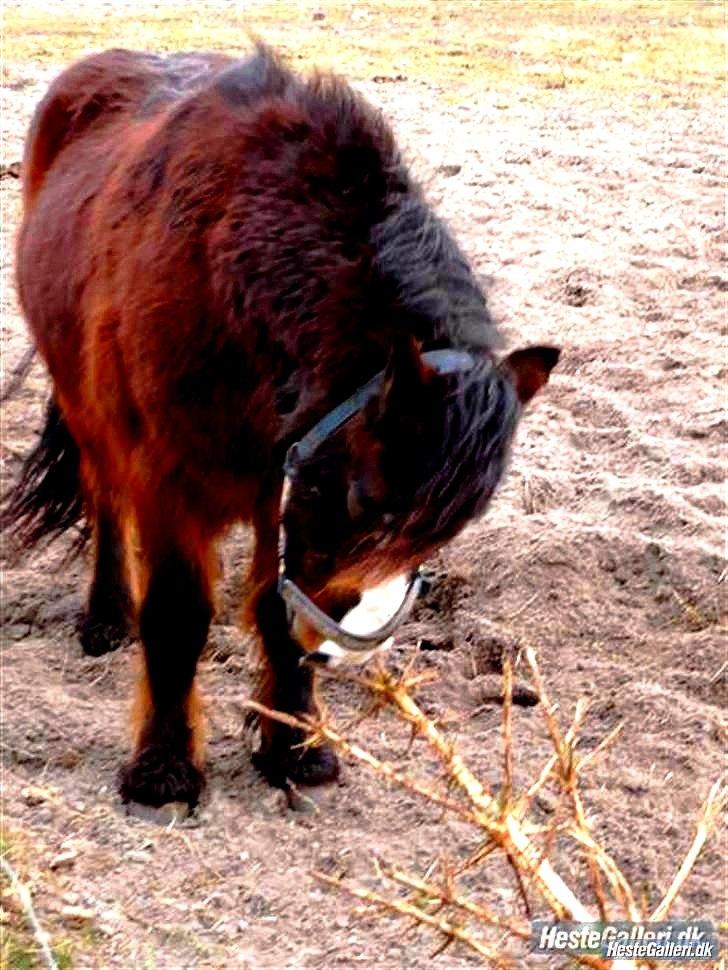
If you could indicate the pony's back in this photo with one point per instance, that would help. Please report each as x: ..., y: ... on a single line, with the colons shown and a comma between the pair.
x: 90, y: 94
x: 105, y: 88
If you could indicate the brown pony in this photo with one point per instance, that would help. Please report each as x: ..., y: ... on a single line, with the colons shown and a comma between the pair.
x: 213, y: 256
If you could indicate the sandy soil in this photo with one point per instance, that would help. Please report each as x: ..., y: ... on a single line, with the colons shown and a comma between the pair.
x: 597, y: 226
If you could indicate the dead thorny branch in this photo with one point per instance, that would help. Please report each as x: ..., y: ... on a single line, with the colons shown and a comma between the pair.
x: 501, y: 819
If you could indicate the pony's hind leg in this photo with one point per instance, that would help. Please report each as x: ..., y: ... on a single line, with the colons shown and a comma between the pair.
x: 106, y: 623
x: 174, y: 620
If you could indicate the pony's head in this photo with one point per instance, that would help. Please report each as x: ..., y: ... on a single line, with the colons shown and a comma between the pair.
x: 407, y: 472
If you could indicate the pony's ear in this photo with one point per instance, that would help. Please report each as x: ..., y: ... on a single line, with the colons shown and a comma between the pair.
x: 405, y: 376
x: 529, y: 369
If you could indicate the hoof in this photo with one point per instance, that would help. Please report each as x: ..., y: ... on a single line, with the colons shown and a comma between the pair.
x: 98, y: 637
x: 158, y: 776
x: 302, y: 766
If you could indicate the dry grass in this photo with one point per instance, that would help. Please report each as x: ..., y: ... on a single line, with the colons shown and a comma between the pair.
x: 634, y: 49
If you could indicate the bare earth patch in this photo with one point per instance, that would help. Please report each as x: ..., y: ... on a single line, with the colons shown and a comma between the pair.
x: 594, y: 213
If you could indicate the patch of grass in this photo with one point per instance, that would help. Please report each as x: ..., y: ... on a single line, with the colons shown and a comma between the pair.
x: 626, y: 48
x: 18, y: 948
x: 17, y: 955
x: 62, y: 955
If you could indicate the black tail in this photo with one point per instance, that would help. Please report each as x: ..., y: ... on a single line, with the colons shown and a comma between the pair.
x: 46, y: 500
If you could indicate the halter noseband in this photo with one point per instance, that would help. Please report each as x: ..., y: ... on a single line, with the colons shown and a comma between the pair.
x: 444, y: 362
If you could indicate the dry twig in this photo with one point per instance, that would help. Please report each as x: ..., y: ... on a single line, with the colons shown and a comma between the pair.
x: 405, y: 908
x: 446, y: 895
x: 566, y: 752
x: 327, y: 733
x: 26, y: 901
x: 713, y: 807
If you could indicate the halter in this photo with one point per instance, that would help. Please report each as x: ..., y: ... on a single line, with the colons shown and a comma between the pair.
x: 443, y: 362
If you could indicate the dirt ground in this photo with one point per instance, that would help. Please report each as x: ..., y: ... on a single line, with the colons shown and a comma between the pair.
x: 594, y: 215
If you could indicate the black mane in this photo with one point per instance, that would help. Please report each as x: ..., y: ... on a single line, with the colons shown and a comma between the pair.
x: 415, y: 254
x: 469, y: 445
x: 416, y: 262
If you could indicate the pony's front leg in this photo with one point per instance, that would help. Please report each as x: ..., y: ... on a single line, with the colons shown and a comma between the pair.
x: 174, y: 620
x: 285, y: 754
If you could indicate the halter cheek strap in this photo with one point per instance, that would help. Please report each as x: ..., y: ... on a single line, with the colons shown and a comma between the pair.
x: 297, y: 602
